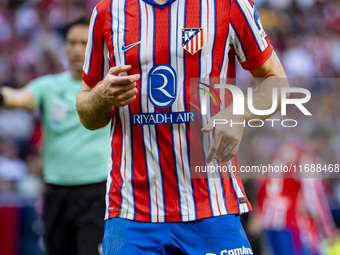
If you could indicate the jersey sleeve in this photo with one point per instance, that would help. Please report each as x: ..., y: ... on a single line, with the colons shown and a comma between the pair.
x: 96, y: 57
x: 247, y: 36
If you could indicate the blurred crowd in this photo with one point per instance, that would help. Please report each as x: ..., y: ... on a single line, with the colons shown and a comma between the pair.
x: 305, y: 34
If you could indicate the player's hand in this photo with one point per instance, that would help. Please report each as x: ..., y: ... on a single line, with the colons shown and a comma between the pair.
x: 119, y: 90
x: 226, y: 139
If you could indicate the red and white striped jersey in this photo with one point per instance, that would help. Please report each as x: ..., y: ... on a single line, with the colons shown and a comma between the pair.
x: 294, y: 201
x: 150, y: 178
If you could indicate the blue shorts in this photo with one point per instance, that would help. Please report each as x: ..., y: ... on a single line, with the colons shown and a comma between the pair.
x: 220, y: 235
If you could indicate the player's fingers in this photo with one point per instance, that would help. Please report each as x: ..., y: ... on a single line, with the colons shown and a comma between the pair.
x: 223, y: 145
x: 229, y: 153
x: 125, y: 80
x: 122, y: 89
x: 127, y: 101
x: 214, y: 147
x: 126, y: 95
x: 209, y: 127
x: 116, y: 70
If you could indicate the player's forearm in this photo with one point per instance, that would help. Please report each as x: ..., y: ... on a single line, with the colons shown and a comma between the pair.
x: 17, y: 98
x: 273, y: 76
x: 94, y: 112
x: 262, y: 97
x: 94, y: 105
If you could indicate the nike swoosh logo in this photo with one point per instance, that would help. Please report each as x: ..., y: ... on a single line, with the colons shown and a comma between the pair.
x: 125, y: 48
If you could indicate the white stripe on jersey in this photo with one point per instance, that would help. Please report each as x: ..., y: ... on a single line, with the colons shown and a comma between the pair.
x: 187, y: 204
x: 215, y: 188
x: 128, y: 136
x: 223, y: 76
x: 222, y: 107
x: 88, y: 50
x: 214, y: 181
x: 121, y: 31
x: 224, y: 70
x: 127, y: 205
x: 109, y: 179
x: 106, y: 64
x: 127, y: 170
x: 204, y: 73
x: 219, y: 185
x: 209, y: 29
x: 246, y: 8
x: 248, y: 5
x: 115, y: 28
x: 235, y: 41
x: 149, y: 131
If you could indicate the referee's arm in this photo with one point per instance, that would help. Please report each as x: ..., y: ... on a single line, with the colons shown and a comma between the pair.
x: 16, y: 98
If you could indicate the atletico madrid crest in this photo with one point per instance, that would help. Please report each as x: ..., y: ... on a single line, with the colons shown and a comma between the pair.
x: 192, y: 39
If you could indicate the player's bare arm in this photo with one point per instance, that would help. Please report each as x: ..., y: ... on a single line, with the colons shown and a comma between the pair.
x: 94, y: 105
x: 227, y: 139
x: 17, y: 98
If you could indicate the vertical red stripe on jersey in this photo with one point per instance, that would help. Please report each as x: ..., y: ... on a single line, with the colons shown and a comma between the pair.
x: 147, y: 23
x: 192, y: 70
x: 105, y: 23
x: 243, y: 30
x: 229, y: 193
x: 116, y: 178
x: 115, y: 195
x: 221, y: 35
x: 218, y: 204
x: 95, y: 55
x: 139, y: 174
x: 164, y: 132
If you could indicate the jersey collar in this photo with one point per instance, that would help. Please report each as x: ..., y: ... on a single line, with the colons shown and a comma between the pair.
x: 160, y: 6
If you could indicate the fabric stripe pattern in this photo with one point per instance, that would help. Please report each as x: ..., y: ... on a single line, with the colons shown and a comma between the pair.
x: 150, y: 174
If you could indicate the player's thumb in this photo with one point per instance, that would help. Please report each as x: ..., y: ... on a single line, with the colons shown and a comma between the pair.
x: 119, y: 69
x: 209, y: 127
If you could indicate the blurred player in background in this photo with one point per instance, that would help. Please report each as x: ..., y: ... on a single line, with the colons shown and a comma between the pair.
x: 292, y: 209
x: 75, y: 159
x: 154, y: 205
